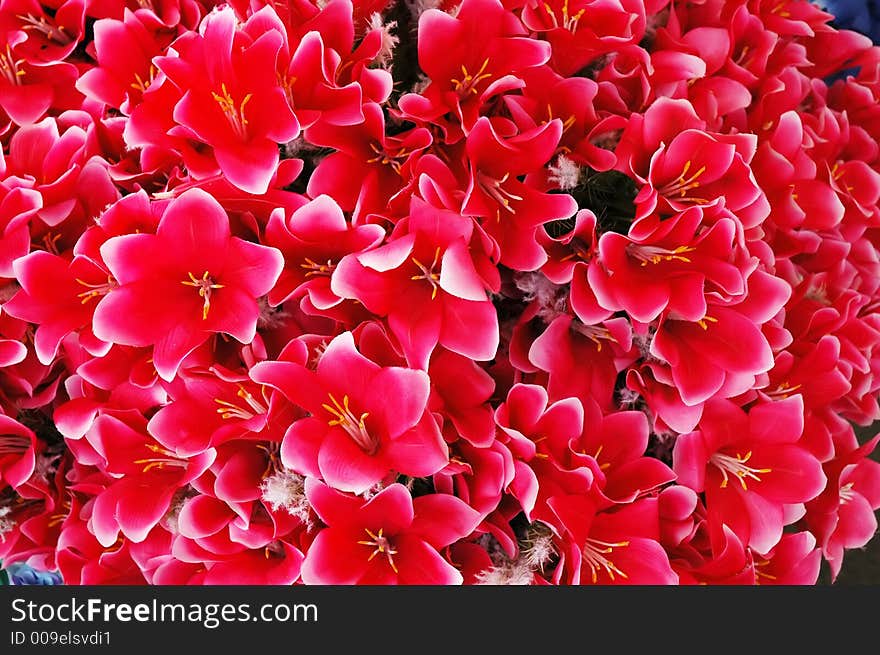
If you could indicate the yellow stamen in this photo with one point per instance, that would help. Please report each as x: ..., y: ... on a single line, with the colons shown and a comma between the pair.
x: 736, y: 465
x: 467, y: 84
x: 382, y: 547
x: 205, y: 285
x: 704, y: 322
x: 235, y: 115
x: 595, y: 552
x: 428, y: 273
x: 355, y: 427
x: 682, y: 184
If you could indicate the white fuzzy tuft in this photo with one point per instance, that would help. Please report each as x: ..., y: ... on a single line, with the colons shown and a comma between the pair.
x: 551, y: 298
x: 539, y: 550
x: 286, y: 490
x: 628, y: 397
x: 513, y: 573
x: 565, y: 173
x: 536, y: 551
x: 270, y: 317
x: 389, y: 40
x: 6, y: 523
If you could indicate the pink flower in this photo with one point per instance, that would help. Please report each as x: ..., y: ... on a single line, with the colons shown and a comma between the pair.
x: 619, y: 546
x: 188, y: 281
x: 469, y: 58
x: 795, y: 560
x: 673, y: 270
x: 427, y: 284
x: 392, y: 538
x: 582, y: 30
x: 232, y: 100
x: 28, y: 89
x: 313, y: 239
x: 369, y: 168
x: 843, y: 516
x: 750, y: 467
x: 124, y: 50
x: 58, y: 295
x: 513, y: 211
x: 366, y: 421
x: 144, y: 475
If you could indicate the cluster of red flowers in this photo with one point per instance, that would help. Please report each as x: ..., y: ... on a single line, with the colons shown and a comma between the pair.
x: 432, y: 292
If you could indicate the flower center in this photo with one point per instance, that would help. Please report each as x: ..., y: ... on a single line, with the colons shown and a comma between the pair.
x: 758, y: 565
x: 704, y: 322
x: 356, y: 428
x: 467, y: 83
x: 314, y: 268
x: 168, y: 459
x: 384, y: 157
x: 846, y: 493
x: 783, y: 391
x: 381, y: 545
x: 736, y: 466
x: 595, y: 552
x: 96, y: 290
x: 566, y: 20
x: 9, y: 67
x: 595, y: 333
x: 59, y: 517
x: 428, y: 273
x: 682, y: 184
x: 45, y: 27
x: 141, y: 84
x: 229, y: 410
x: 492, y: 188
x: 205, y: 285
x: 655, y: 254
x: 234, y: 114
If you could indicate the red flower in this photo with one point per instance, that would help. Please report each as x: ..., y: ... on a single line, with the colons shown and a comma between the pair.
x: 427, y: 284
x: 143, y: 477
x: 750, y: 466
x: 843, y: 515
x: 365, y: 422
x: 313, y: 239
x: 124, y: 51
x: 232, y: 100
x: 513, y: 211
x: 369, y: 168
x: 58, y: 296
x: 468, y: 59
x: 188, y: 281
x: 392, y: 538
x: 673, y: 270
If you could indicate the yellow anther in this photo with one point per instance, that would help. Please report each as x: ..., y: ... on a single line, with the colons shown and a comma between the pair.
x: 205, y: 285
x: 235, y: 115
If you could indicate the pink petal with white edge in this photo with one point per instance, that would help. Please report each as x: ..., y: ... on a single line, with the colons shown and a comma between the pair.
x: 419, y: 564
x: 345, y: 466
x: 331, y: 559
x: 391, y: 510
x: 252, y: 267
x: 458, y: 276
x: 403, y: 395
x: 470, y: 328
x: 249, y: 166
x: 202, y: 516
